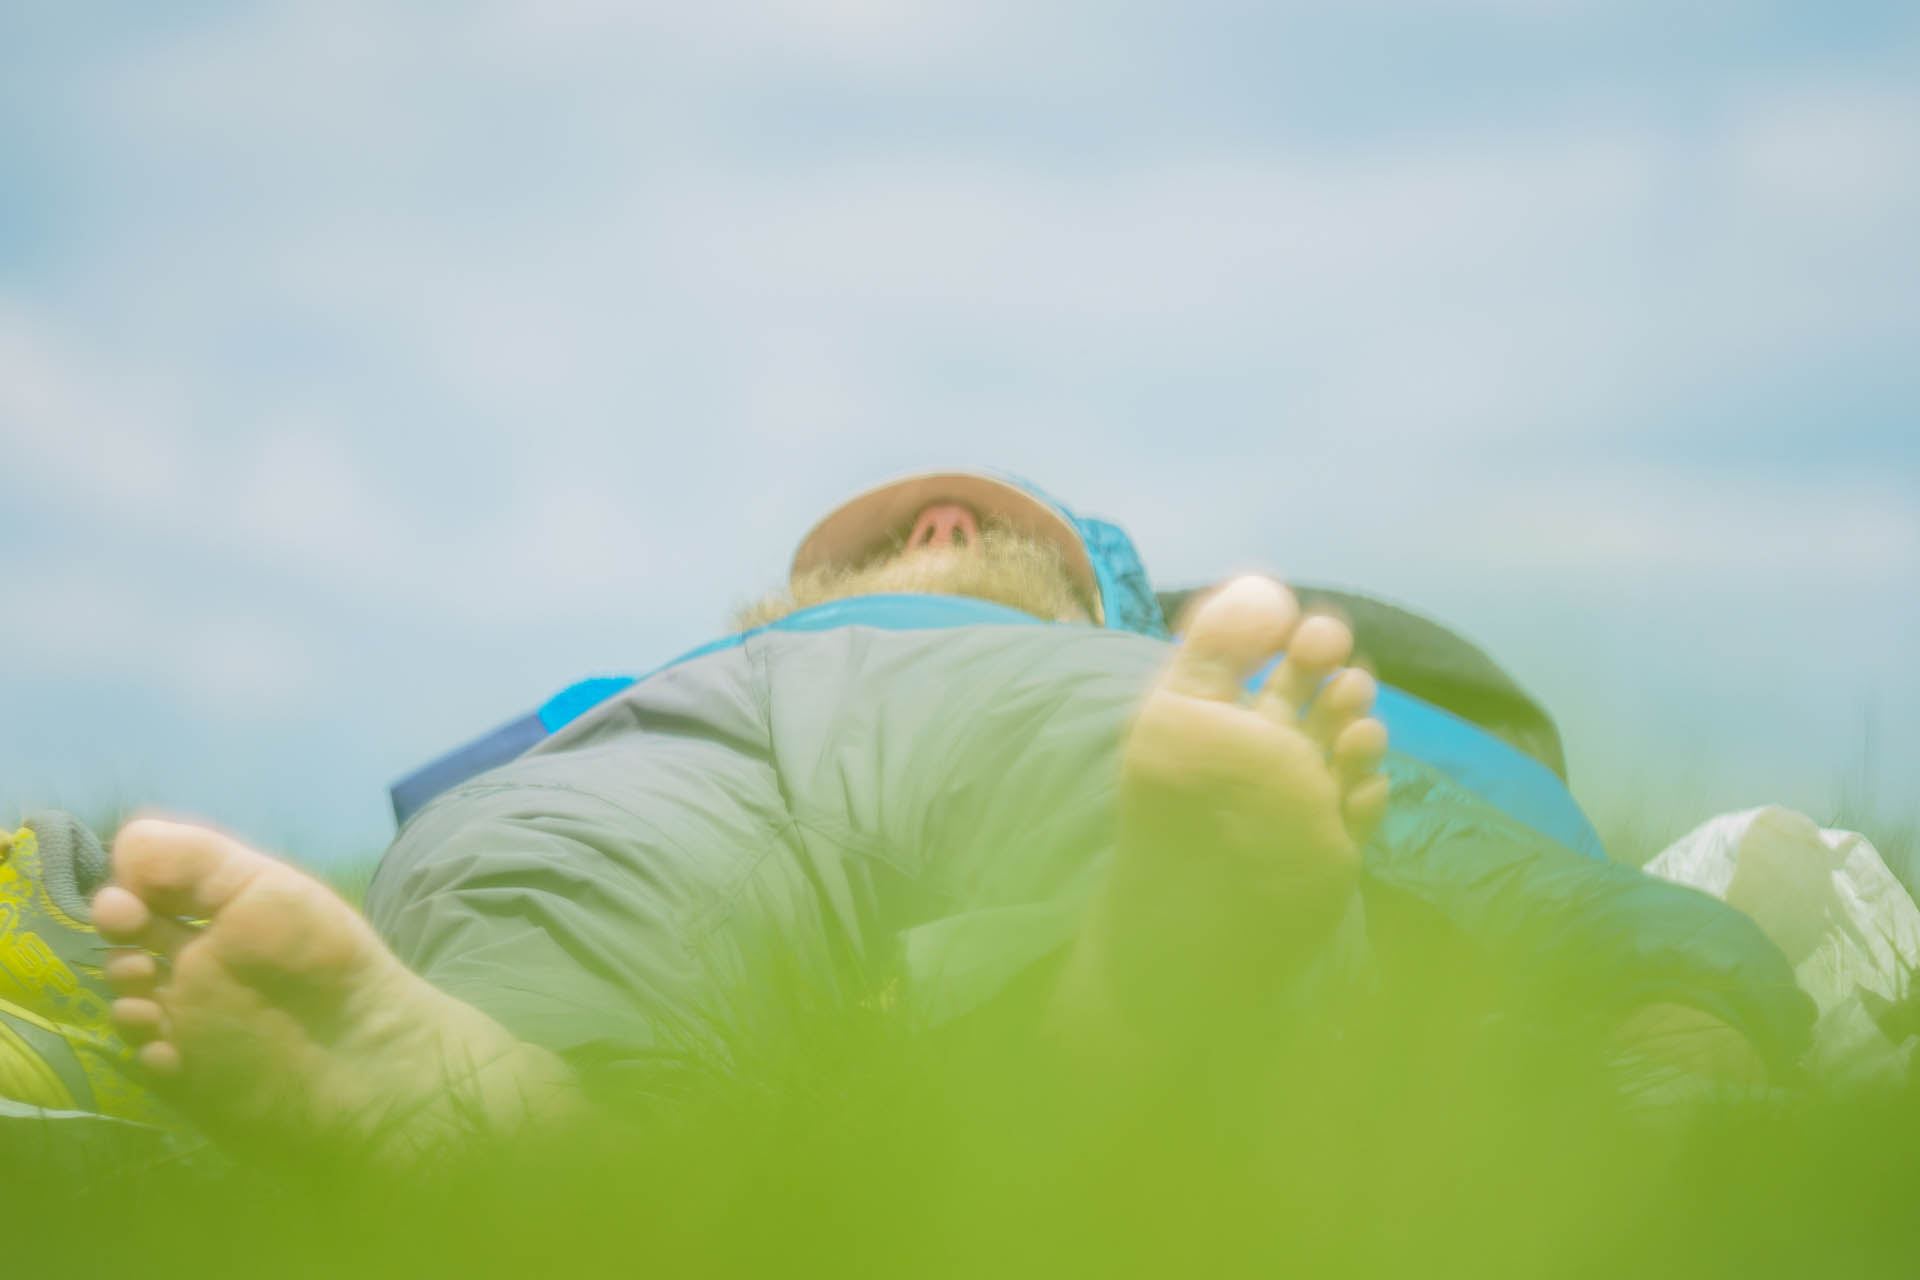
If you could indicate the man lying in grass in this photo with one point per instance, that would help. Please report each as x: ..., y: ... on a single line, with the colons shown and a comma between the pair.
x: 951, y: 768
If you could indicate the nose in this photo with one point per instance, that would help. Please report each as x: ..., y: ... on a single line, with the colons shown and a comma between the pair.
x: 943, y: 524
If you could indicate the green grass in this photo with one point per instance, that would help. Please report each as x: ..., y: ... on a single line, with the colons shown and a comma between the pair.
x: 349, y: 877
x: 1442, y: 1131
x: 1428, y: 1138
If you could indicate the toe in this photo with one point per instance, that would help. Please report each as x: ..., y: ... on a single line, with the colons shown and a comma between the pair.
x: 1358, y: 751
x: 1365, y: 806
x: 132, y: 973
x: 1230, y: 635
x: 1346, y: 698
x: 1320, y: 646
x: 177, y: 869
x: 138, y: 1020
x: 121, y: 917
x: 161, y: 1057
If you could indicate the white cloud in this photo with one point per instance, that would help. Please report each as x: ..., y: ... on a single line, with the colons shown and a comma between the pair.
x: 1841, y: 152
x: 1442, y: 289
x: 295, y: 497
x: 70, y: 428
x: 574, y: 543
x: 245, y: 664
x: 801, y: 387
x: 96, y: 623
x: 1457, y: 289
x: 1640, y: 524
x: 302, y: 494
x: 270, y: 81
x: 563, y: 537
x: 880, y: 269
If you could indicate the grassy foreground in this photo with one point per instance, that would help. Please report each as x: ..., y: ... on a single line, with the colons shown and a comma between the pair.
x: 1434, y: 1128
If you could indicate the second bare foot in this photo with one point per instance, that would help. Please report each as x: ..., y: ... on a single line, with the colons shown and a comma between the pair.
x: 269, y: 1011
x: 1241, y: 814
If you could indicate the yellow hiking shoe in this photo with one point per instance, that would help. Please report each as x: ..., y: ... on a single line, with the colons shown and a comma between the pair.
x: 57, y: 1049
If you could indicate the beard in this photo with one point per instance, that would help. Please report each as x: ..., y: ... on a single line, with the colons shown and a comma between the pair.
x: 1004, y: 567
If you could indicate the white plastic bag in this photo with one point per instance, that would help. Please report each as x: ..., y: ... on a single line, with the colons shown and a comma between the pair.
x: 1829, y: 902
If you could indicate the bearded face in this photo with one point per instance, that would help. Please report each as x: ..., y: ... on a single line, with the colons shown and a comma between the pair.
x: 1001, y: 565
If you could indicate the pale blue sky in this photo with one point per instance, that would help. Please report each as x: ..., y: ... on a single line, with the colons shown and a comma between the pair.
x: 370, y: 371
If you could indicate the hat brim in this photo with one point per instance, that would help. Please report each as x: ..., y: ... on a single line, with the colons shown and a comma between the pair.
x: 865, y: 524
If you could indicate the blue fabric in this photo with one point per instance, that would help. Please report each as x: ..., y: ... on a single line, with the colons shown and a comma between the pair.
x: 489, y: 751
x: 577, y: 699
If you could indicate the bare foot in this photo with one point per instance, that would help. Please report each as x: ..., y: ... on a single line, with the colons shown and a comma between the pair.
x: 1240, y: 817
x: 268, y: 1010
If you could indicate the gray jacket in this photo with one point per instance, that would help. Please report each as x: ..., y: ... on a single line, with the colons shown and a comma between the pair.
x: 853, y: 808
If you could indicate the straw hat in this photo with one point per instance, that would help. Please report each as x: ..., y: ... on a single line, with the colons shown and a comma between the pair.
x: 869, y: 521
